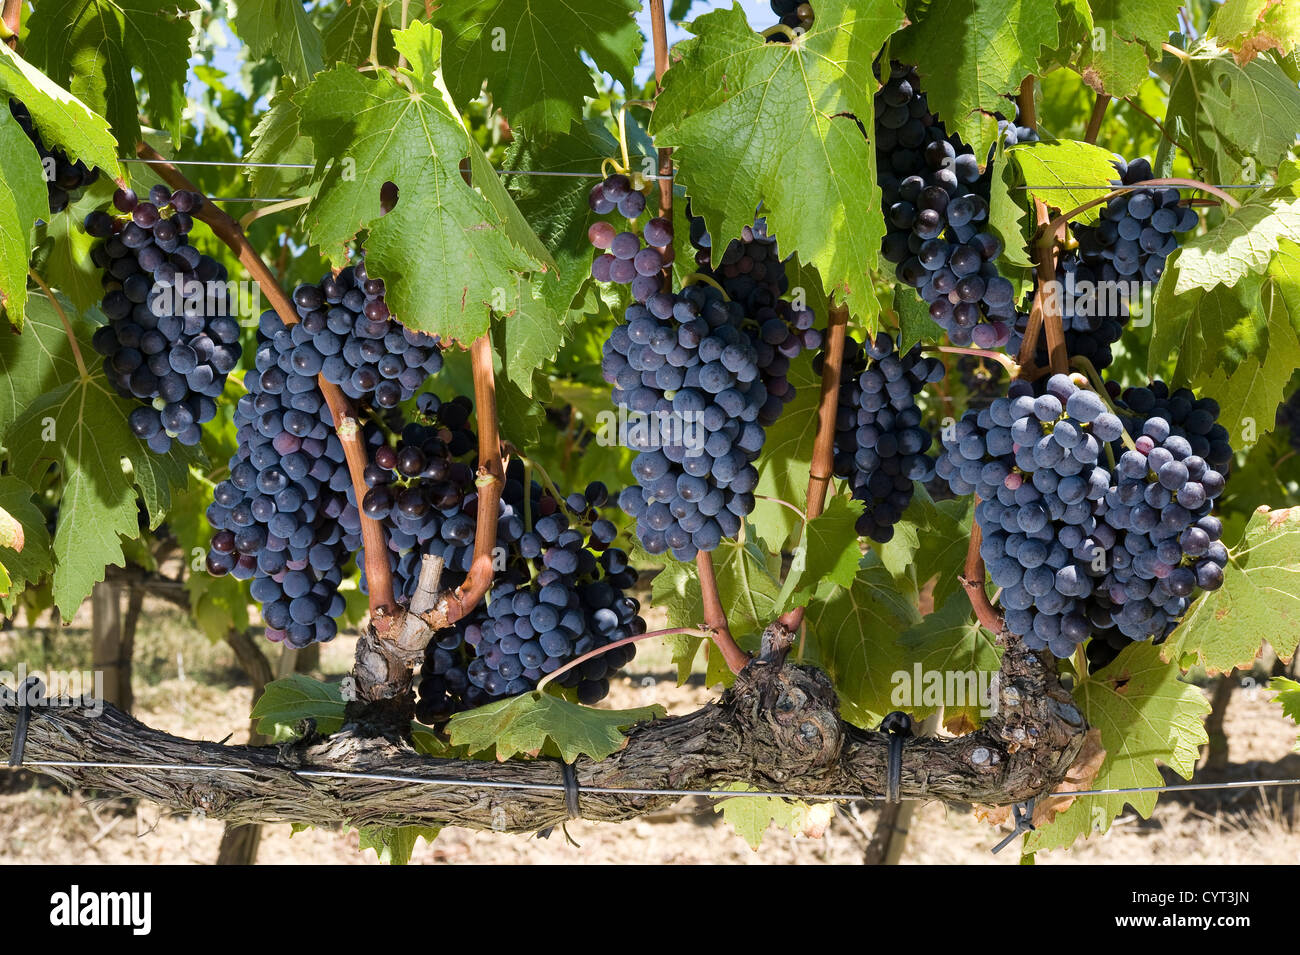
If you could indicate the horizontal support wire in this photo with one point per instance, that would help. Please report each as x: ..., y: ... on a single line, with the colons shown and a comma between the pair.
x: 607, y: 790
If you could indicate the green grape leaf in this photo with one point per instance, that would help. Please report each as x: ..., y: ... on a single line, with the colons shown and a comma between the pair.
x: 747, y: 588
x: 350, y: 32
x: 1053, y: 170
x: 449, y: 252
x: 531, y: 55
x: 61, y: 119
x: 557, y: 210
x: 1257, y: 602
x: 786, y: 459
x: 1261, y: 351
x: 1288, y: 697
x: 972, y: 56
x: 79, y: 423
x: 827, y: 551
x: 1121, y: 41
x: 5, y: 582
x: 393, y: 845
x: 44, y: 354
x: 1009, y: 214
x: 22, y: 201
x: 1234, y: 121
x: 526, y: 723
x: 278, y: 139
x: 948, y: 663
x: 286, y: 702
x: 914, y: 321
x: 281, y: 27
x: 1241, y: 245
x: 101, y: 44
x: 930, y: 543
x: 1248, y: 27
x: 854, y: 636
x: 756, y: 122
x: 752, y: 816
x: 24, y: 540
x: 1145, y: 714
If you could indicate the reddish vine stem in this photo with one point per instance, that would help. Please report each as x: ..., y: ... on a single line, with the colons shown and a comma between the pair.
x: 823, y: 456
x: 13, y: 18
x: 1094, y: 121
x: 378, y: 573
x: 1046, y: 301
x: 972, y: 579
x: 1025, y: 100
x: 659, y: 31
x: 715, y: 617
x: 491, y: 481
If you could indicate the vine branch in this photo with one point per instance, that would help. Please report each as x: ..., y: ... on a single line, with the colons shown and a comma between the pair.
x: 1094, y: 121
x: 12, y: 17
x: 379, y: 576
x: 823, y: 457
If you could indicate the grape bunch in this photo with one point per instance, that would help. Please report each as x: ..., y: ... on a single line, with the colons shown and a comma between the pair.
x: 880, y: 446
x: 936, y: 211
x: 1079, y: 547
x: 621, y: 257
x: 424, y: 494
x: 356, y: 344
x: 69, y: 177
x: 683, y: 366
x: 561, y: 596
x: 284, y: 518
x: 752, y: 273
x: 171, y: 337
x: 1100, y: 275
x: 796, y: 14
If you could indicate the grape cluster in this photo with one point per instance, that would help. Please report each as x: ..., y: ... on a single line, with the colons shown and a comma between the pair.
x: 424, y: 494
x: 284, y: 518
x: 936, y: 209
x: 1099, y: 275
x: 880, y: 446
x: 752, y: 273
x: 561, y: 596
x: 621, y: 257
x: 171, y: 337
x: 1077, y: 546
x: 356, y: 344
x: 682, y: 364
x: 69, y: 177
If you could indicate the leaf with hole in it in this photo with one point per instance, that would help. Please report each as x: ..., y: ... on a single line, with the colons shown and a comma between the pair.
x: 1258, y: 600
x: 774, y: 123
x: 526, y: 723
x: 1146, y: 714
x: 1235, y: 122
x: 449, y: 252
x: 287, y: 702
x: 1061, y: 173
x: 972, y: 56
x: 532, y: 55
x: 393, y: 845
x: 103, y: 45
